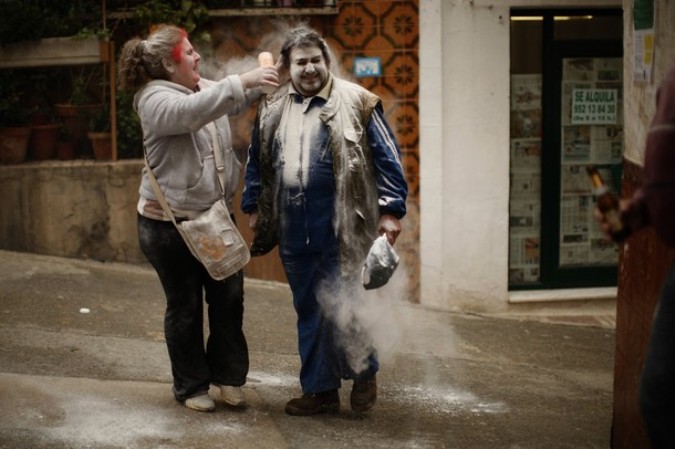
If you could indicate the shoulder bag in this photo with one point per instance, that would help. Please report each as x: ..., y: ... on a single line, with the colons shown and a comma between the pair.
x: 212, y: 237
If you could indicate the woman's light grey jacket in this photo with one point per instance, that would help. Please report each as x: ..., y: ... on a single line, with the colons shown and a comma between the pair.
x: 178, y: 144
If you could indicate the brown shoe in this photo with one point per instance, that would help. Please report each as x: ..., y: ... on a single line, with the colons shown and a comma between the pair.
x: 364, y: 394
x: 313, y: 403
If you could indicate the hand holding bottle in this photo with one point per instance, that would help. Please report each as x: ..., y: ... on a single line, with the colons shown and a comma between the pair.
x: 608, y: 208
x: 265, y: 59
x: 266, y: 76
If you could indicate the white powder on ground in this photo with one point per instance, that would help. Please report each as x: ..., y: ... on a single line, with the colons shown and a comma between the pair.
x: 447, y: 399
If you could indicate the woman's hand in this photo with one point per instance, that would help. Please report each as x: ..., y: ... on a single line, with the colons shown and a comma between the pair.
x: 261, y: 77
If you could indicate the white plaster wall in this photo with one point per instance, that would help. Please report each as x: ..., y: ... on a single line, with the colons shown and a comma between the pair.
x: 431, y: 153
x: 640, y: 98
x: 464, y: 151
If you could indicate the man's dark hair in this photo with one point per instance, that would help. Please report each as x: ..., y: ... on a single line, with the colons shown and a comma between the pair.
x: 303, y: 37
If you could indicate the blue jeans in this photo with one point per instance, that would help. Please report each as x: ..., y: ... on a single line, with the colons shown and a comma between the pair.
x: 310, y: 254
x: 657, y: 388
x: 324, y: 361
x: 224, y: 360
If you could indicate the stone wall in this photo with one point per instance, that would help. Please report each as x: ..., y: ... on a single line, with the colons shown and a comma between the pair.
x: 81, y: 209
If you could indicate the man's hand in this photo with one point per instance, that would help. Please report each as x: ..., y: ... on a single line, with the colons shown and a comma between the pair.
x: 253, y: 220
x: 390, y: 226
x: 601, y: 220
x: 282, y: 71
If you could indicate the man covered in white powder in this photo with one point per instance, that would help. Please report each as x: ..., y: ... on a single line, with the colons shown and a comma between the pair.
x: 323, y: 180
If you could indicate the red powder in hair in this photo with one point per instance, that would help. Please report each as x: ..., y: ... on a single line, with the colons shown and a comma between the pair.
x: 177, y: 50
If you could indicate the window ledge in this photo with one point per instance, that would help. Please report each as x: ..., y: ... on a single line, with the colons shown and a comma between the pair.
x: 51, y: 51
x: 240, y: 12
x: 295, y: 11
x: 566, y: 294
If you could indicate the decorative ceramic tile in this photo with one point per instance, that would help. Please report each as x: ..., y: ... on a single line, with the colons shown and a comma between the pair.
x: 354, y: 27
x: 399, y: 24
x: 378, y: 44
x: 371, y: 83
x: 376, y: 87
x: 401, y: 74
x: 411, y: 165
x: 373, y: 6
x: 403, y: 119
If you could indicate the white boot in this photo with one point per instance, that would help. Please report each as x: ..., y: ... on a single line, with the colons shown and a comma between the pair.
x: 232, y: 395
x: 201, y: 403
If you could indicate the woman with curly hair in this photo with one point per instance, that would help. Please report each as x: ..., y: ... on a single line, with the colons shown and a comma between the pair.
x: 175, y: 105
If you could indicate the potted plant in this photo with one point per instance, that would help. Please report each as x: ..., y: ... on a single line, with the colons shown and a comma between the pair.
x: 14, y: 126
x: 99, y: 134
x: 47, y: 29
x: 43, y: 140
x: 76, y: 112
x: 129, y: 131
x: 43, y: 122
x: 65, y: 145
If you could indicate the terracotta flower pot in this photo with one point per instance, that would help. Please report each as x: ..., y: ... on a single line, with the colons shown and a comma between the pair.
x: 14, y: 144
x: 65, y: 150
x: 43, y: 141
x: 101, y: 144
x: 76, y: 118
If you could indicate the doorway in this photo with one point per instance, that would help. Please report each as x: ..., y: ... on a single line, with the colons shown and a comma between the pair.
x: 566, y: 114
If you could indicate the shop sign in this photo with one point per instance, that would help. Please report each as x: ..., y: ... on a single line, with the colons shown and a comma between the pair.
x: 594, y: 106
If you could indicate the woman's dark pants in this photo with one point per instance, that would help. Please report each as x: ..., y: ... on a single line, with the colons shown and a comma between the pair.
x: 194, y: 365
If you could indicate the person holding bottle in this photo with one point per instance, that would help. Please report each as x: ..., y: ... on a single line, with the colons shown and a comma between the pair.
x: 654, y: 205
x: 175, y: 105
x: 323, y: 180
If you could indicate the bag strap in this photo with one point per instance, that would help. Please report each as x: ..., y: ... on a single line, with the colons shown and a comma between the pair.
x: 158, y: 191
x: 217, y: 156
x: 220, y: 169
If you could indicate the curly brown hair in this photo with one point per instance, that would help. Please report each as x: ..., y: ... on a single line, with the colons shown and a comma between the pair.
x: 143, y: 60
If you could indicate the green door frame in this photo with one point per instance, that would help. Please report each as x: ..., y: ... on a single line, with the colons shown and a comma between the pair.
x: 552, y: 275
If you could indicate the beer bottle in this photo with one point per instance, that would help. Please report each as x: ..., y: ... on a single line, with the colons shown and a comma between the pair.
x: 265, y: 59
x: 607, y: 203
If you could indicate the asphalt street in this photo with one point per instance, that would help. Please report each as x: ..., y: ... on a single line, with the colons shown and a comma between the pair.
x: 83, y: 364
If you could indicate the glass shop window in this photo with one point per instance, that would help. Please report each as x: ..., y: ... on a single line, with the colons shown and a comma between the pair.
x: 566, y: 114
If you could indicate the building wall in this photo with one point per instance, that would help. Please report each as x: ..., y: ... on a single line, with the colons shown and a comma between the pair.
x: 445, y: 89
x: 82, y: 227
x: 464, y: 150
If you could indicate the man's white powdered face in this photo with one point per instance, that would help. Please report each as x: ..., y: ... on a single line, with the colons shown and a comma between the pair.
x: 308, y: 69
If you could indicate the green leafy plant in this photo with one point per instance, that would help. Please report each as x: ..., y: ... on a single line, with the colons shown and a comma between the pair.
x: 129, y: 131
x: 65, y: 135
x: 100, y: 121
x: 38, y: 98
x: 13, y: 108
x: 189, y: 14
x: 81, y: 86
x: 26, y: 20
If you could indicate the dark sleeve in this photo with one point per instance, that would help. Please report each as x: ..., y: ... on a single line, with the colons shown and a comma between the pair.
x: 391, y: 184
x: 249, y: 197
x: 659, y: 185
x: 636, y: 215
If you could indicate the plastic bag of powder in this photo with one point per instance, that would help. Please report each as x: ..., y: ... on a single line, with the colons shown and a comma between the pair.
x: 381, y: 262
